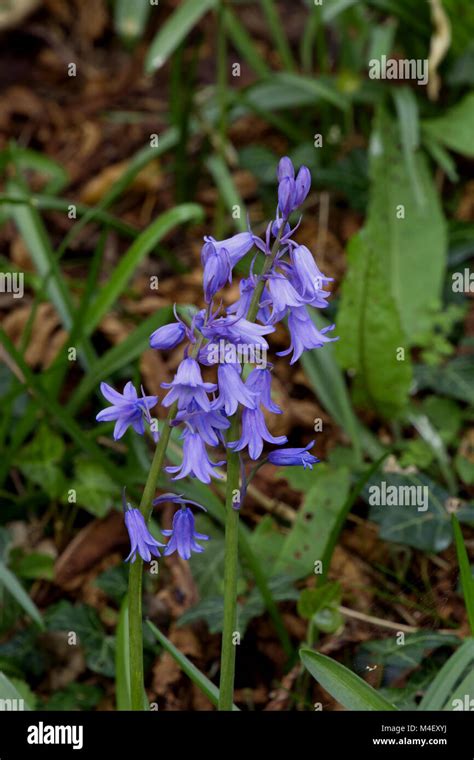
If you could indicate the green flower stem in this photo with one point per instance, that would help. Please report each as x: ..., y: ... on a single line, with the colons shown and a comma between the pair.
x: 257, y: 293
x: 135, y: 622
x: 226, y: 685
x: 231, y: 542
x: 136, y: 573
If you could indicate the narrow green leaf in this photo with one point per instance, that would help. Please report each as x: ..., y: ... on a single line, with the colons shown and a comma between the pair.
x: 174, y: 30
x: 136, y: 253
x: 226, y: 186
x: 277, y: 31
x: 31, y: 228
x: 26, y: 158
x: 199, y: 679
x: 467, y: 581
x: 15, y: 588
x: 342, y: 684
x: 244, y: 43
x: 58, y: 413
x: 448, y: 677
x: 9, y: 691
x: 119, y: 356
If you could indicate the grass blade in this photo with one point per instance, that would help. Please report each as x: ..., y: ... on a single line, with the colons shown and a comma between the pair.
x: 128, y: 264
x: 199, y: 679
x: 31, y: 228
x: 276, y: 29
x: 447, y: 678
x: 174, y: 30
x: 244, y: 43
x: 226, y: 186
x: 17, y: 591
x: 467, y: 581
x: 117, y: 357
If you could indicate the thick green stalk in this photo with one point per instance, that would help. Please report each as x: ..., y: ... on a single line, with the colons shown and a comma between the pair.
x: 226, y: 685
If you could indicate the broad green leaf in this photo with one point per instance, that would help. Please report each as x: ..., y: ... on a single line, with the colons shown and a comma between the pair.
x: 75, y: 696
x: 406, y: 230
x: 371, y: 336
x: 449, y: 677
x: 95, y: 490
x: 9, y: 691
x: 84, y: 621
x: 454, y: 379
x: 307, y: 540
x: 320, y: 605
x: 284, y: 91
x: 15, y: 588
x: 174, y: 30
x: 416, y: 646
x: 455, y: 128
x: 467, y: 581
x: 32, y: 566
x: 202, y: 682
x: 40, y: 461
x: 422, y: 521
x: 342, y: 684
x: 129, y: 262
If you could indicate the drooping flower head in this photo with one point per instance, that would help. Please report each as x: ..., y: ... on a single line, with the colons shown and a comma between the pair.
x: 188, y: 386
x: 141, y: 540
x: 183, y: 534
x: 196, y: 462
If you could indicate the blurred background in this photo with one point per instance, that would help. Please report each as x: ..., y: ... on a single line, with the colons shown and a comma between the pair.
x: 128, y: 130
